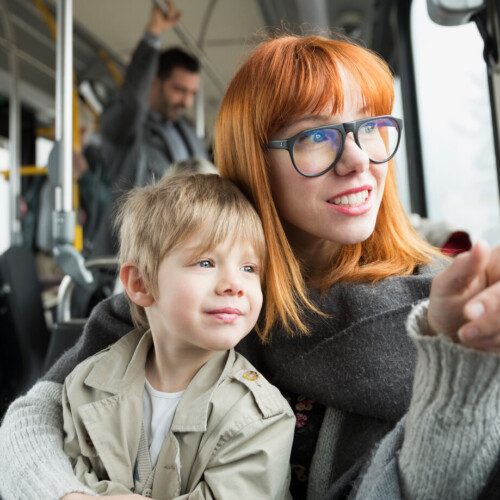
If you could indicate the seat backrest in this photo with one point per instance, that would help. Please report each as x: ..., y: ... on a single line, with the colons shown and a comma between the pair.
x: 64, y: 336
x: 25, y: 336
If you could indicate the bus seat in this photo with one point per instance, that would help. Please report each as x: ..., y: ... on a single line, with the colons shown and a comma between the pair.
x: 64, y: 336
x: 24, y: 333
x: 69, y: 324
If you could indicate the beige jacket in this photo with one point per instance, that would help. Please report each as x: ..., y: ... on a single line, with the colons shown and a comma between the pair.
x: 231, y: 435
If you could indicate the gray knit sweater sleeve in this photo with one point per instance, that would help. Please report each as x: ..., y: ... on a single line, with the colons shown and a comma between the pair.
x: 32, y: 462
x: 452, y: 431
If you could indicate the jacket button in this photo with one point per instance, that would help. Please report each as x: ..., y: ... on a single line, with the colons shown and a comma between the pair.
x: 251, y: 376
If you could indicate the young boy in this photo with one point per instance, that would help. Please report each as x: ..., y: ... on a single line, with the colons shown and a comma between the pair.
x: 170, y: 410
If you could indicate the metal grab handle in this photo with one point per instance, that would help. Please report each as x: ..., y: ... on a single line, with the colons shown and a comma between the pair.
x: 67, y: 286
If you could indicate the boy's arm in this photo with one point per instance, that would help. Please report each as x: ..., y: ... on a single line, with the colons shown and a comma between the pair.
x: 253, y: 463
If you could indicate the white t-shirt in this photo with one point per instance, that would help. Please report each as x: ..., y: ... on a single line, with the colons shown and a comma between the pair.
x: 158, y: 409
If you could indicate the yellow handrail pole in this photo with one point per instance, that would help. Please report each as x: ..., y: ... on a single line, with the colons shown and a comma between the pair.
x: 48, y: 17
x: 77, y: 148
x: 27, y: 171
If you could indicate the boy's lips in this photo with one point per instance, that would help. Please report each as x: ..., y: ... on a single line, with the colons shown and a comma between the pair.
x: 226, y: 314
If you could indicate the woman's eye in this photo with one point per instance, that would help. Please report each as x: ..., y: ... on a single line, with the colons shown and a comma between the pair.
x: 319, y: 136
x: 369, y: 128
x: 314, y: 137
x: 249, y: 269
x: 204, y: 263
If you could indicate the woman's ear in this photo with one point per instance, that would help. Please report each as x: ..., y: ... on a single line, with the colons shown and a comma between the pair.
x: 134, y: 285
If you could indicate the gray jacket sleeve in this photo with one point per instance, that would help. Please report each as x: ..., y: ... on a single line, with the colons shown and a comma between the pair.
x: 452, y: 431
x: 448, y: 443
x: 32, y: 462
x: 123, y: 118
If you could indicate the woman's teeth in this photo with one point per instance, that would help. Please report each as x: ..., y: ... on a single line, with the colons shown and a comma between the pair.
x: 351, y: 200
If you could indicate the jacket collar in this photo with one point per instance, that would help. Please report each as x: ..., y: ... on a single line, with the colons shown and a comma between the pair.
x: 192, y: 412
x: 121, y: 369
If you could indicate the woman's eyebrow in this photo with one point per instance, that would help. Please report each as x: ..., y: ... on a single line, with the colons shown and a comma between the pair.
x: 321, y: 118
x: 309, y: 118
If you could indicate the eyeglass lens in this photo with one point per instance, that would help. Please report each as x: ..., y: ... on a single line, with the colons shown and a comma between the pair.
x: 316, y: 150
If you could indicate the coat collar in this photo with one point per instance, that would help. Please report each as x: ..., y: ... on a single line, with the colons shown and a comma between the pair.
x: 121, y: 370
x: 192, y: 412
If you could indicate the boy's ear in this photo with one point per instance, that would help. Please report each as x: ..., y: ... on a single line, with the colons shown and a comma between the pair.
x: 134, y: 286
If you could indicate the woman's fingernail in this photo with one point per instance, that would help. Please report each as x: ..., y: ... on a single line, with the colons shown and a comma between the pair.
x: 468, y: 333
x: 475, y: 310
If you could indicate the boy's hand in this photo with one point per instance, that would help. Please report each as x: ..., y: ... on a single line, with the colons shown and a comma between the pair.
x: 465, y: 299
x: 159, y: 22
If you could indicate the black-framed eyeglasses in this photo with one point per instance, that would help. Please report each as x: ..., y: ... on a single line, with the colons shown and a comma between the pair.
x: 315, y: 151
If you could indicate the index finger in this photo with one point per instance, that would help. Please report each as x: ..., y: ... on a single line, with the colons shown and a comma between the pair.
x: 464, y: 269
x: 493, y: 268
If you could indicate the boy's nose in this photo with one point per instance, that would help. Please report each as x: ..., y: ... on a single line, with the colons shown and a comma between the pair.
x: 229, y: 284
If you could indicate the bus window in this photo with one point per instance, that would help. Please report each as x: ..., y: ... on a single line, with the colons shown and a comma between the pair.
x: 455, y: 126
x: 43, y: 148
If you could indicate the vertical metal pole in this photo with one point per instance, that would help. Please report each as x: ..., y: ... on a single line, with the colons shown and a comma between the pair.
x: 14, y: 132
x: 64, y: 98
x: 63, y: 223
x: 493, y: 26
x: 63, y: 219
x: 200, y: 110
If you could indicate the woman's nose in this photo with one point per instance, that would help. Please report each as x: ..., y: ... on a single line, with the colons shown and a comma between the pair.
x: 353, y: 158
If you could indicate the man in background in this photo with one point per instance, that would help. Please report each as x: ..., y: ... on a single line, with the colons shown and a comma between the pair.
x: 143, y: 130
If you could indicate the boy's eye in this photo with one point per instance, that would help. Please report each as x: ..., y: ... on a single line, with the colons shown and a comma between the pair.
x: 204, y: 263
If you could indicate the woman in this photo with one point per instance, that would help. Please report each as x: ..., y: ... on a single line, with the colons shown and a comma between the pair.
x: 305, y: 130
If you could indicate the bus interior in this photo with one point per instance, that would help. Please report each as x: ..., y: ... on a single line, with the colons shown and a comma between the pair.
x: 62, y: 61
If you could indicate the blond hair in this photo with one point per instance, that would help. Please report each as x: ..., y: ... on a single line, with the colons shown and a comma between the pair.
x: 283, y: 79
x: 156, y: 219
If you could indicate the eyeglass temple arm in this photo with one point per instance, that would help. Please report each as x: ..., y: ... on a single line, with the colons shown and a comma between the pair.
x: 278, y: 144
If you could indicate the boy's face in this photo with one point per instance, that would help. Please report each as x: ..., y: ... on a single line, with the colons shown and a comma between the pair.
x: 207, y: 302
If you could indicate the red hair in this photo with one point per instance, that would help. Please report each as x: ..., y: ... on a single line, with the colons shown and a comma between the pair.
x: 285, y: 78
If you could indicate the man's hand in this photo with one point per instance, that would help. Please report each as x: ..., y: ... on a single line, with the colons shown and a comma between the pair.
x: 159, y: 22
x: 465, y: 299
